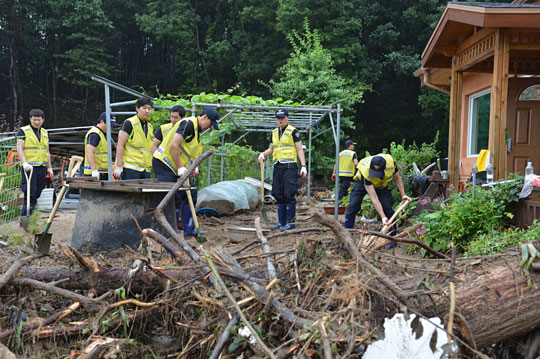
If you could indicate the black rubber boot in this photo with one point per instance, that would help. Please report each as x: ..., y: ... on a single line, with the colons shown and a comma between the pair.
x: 282, y: 216
x: 349, y: 221
x: 291, y: 217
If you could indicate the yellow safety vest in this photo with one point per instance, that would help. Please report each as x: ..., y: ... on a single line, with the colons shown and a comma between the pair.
x: 346, y: 163
x: 35, y: 150
x: 378, y: 183
x: 284, y: 147
x: 138, y: 149
x: 100, y: 155
x: 193, y: 148
x: 165, y: 128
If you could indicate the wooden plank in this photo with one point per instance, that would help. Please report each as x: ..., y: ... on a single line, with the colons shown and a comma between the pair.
x: 454, y: 137
x: 499, y: 103
x: 473, y: 39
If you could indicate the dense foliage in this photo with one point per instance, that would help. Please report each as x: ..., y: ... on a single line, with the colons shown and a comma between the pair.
x: 479, y: 215
x: 361, y: 47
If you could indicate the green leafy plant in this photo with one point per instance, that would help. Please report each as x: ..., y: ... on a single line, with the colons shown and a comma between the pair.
x: 466, y: 216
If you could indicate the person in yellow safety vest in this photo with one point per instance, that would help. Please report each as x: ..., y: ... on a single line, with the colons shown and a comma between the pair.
x: 286, y: 148
x: 33, y: 151
x: 348, y: 160
x: 374, y: 174
x: 95, y: 149
x: 134, y: 147
x: 177, y: 113
x: 179, y: 148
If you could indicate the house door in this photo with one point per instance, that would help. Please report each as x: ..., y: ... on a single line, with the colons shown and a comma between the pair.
x: 523, y: 123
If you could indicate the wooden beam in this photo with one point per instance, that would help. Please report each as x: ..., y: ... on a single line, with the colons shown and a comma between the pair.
x: 454, y: 137
x: 475, y: 49
x: 499, y: 103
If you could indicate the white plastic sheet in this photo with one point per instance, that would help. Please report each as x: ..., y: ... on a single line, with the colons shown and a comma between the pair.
x: 228, y: 197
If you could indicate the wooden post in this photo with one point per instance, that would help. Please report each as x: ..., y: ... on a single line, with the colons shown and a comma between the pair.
x: 454, y: 133
x: 499, y: 103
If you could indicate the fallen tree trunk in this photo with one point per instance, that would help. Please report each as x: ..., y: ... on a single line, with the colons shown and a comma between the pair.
x: 106, y: 278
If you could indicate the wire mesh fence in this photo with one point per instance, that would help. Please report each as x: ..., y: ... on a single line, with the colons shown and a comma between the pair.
x: 10, y: 181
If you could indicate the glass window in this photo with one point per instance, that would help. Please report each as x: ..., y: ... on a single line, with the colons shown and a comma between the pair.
x: 531, y: 93
x: 479, y: 105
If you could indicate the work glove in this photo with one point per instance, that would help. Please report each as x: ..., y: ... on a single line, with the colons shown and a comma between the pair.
x: 50, y: 171
x: 303, y: 171
x: 182, y: 171
x: 95, y: 173
x: 261, y: 157
x: 333, y: 177
x: 27, y: 167
x: 406, y: 198
x: 195, y: 171
x: 117, y: 173
x: 385, y: 221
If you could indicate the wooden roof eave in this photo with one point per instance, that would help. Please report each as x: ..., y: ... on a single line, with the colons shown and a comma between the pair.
x: 479, y: 17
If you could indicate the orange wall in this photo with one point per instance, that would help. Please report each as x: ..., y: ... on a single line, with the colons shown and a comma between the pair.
x: 472, y: 83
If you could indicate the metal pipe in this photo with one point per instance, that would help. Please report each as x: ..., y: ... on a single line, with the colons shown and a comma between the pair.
x: 320, y: 133
x: 117, y: 86
x: 336, y: 191
x: 298, y: 108
x: 109, y: 131
x: 309, y: 169
x: 222, y: 158
x: 130, y: 102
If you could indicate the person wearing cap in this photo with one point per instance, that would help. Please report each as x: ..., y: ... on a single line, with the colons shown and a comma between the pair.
x: 134, y: 147
x: 95, y: 148
x: 173, y: 156
x: 33, y: 151
x: 177, y: 113
x: 374, y: 174
x: 286, y: 149
x: 348, y: 160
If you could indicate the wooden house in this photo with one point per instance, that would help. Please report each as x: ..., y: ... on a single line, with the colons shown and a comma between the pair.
x: 486, y: 56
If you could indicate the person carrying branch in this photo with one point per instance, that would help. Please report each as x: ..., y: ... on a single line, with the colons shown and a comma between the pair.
x: 373, y: 176
x: 33, y: 151
x: 286, y: 149
x: 173, y: 156
x: 134, y: 148
x: 348, y: 160
x: 95, y: 149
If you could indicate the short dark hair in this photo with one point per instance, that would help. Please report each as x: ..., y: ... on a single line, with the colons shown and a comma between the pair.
x: 37, y: 112
x: 143, y: 101
x: 180, y: 109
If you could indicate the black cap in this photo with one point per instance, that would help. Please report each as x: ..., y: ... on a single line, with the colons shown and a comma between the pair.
x: 103, y: 117
x: 213, y: 115
x: 377, y: 166
x: 282, y: 112
x: 348, y: 143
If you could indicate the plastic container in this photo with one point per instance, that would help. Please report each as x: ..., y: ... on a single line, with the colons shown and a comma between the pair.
x: 489, y: 174
x: 529, y: 170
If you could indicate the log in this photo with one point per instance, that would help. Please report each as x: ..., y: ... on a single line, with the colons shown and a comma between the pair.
x: 106, y: 278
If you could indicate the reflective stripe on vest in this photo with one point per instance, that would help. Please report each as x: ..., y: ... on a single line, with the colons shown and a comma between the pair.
x: 284, y: 147
x: 35, y: 150
x: 165, y: 128
x: 378, y: 183
x: 138, y: 149
x: 346, y: 163
x: 100, y: 154
x: 193, y: 148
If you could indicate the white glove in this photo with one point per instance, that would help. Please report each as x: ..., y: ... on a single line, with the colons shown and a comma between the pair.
x: 385, y: 221
x: 406, y: 198
x: 182, y: 171
x: 261, y: 157
x: 95, y: 173
x: 195, y: 171
x: 27, y: 167
x: 303, y: 171
x: 50, y: 171
x: 117, y: 173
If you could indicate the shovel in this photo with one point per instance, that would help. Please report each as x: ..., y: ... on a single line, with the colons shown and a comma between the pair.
x: 371, y: 241
x: 42, y: 241
x: 200, y: 238
x: 26, y: 220
x: 263, y: 211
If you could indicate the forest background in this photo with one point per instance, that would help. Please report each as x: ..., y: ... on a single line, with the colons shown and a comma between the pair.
x: 361, y: 53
